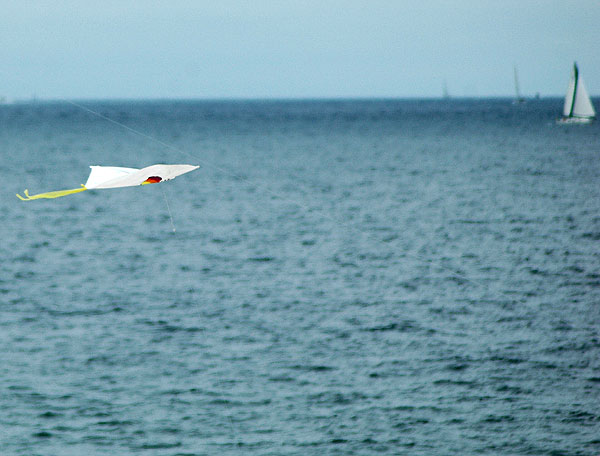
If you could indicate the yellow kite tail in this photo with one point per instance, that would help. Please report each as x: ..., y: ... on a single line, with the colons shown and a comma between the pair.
x: 56, y: 194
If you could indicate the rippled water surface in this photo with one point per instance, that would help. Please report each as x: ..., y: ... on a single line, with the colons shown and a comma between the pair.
x: 346, y: 277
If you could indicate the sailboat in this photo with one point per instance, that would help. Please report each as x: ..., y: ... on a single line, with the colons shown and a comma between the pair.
x: 518, y: 98
x: 446, y: 94
x: 578, y: 107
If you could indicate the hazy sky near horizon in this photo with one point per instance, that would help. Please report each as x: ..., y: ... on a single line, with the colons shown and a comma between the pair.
x: 289, y: 49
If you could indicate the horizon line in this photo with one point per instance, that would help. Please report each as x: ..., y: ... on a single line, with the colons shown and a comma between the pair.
x: 38, y: 99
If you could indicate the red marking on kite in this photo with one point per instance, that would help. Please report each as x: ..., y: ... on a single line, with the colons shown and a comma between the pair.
x: 153, y: 180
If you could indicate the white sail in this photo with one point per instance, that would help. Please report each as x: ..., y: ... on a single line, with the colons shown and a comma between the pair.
x: 583, y: 105
x: 569, y: 96
x: 518, y: 97
x: 577, y: 101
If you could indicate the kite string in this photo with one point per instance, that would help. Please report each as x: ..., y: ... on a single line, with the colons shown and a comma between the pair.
x: 168, y: 209
x: 153, y: 139
x: 265, y: 189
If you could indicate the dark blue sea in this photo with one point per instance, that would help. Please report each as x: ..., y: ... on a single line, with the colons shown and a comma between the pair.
x: 348, y: 277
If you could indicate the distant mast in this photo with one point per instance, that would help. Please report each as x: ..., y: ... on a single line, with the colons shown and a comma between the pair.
x: 445, y: 95
x: 578, y: 107
x: 518, y: 98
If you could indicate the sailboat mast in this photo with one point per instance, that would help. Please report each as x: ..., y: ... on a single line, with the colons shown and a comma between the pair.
x: 518, y: 95
x: 575, y: 80
x: 445, y: 91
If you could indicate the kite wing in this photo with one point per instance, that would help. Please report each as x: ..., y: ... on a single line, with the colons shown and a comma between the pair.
x: 115, y: 177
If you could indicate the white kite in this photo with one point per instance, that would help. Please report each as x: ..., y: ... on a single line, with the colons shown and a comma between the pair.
x: 115, y: 177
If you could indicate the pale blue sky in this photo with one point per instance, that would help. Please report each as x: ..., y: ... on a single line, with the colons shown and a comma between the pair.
x: 304, y: 48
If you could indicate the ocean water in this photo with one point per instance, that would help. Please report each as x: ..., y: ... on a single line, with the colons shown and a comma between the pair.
x: 352, y: 277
